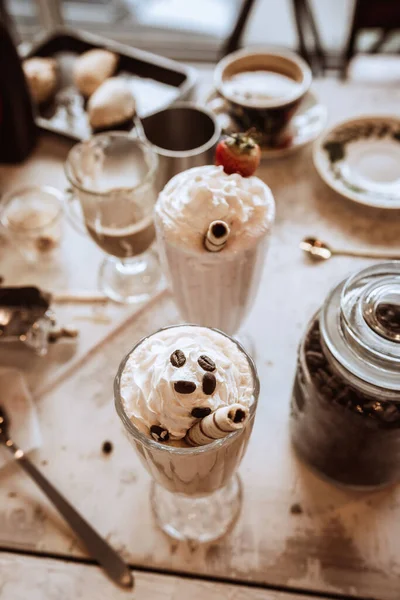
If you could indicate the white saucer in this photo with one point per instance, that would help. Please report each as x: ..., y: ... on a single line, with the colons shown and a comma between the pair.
x: 360, y: 159
x: 308, y: 122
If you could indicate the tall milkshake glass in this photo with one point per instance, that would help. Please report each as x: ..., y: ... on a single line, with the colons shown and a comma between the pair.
x: 214, y: 288
x: 187, y: 397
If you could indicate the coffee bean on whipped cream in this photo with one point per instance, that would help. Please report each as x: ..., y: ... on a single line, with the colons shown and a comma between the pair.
x: 200, y: 412
x: 159, y: 434
x: 177, y: 359
x: 184, y: 387
x: 209, y: 383
x: 206, y: 363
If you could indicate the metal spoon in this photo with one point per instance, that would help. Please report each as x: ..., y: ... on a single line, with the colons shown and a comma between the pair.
x: 101, y: 551
x: 319, y: 250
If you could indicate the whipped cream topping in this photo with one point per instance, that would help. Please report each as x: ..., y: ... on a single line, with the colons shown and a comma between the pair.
x: 194, y: 198
x: 149, y: 379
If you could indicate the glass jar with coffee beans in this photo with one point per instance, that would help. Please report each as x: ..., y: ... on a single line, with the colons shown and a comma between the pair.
x: 345, y: 419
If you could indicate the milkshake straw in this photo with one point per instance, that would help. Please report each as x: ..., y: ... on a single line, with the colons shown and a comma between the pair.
x: 216, y: 236
x: 218, y: 424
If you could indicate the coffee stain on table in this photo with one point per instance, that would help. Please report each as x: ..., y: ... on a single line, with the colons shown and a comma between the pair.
x: 332, y: 550
x: 296, y: 509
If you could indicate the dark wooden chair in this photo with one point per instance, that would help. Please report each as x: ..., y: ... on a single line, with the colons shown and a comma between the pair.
x: 7, y: 21
x: 305, y: 26
x: 307, y: 31
x: 372, y: 14
x: 234, y: 40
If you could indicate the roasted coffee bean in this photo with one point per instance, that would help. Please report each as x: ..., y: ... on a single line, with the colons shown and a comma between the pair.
x: 159, y: 433
x: 335, y: 384
x: 376, y: 407
x: 317, y: 379
x: 206, y: 363
x: 177, y: 359
x: 184, y: 387
x: 353, y: 398
x: 209, y: 383
x: 313, y: 345
x: 342, y: 397
x: 314, y: 336
x: 375, y: 410
x: 107, y: 447
x: 315, y: 359
x: 200, y: 412
x: 328, y: 369
x: 327, y: 392
x: 391, y: 414
x: 324, y: 377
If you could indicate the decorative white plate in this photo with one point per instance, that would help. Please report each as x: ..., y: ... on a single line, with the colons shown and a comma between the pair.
x: 307, y: 124
x: 360, y: 159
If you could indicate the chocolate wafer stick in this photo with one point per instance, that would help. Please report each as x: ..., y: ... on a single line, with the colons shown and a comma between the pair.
x: 217, y: 425
x: 216, y: 236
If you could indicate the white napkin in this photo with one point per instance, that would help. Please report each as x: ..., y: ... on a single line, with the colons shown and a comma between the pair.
x: 17, y: 402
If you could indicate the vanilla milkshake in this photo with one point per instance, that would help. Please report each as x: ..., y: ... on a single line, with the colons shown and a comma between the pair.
x: 187, y: 397
x: 214, y: 289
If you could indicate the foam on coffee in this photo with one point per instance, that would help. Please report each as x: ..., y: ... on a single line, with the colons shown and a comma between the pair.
x: 256, y: 87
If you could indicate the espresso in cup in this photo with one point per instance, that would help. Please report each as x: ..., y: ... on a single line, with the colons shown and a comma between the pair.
x: 263, y: 89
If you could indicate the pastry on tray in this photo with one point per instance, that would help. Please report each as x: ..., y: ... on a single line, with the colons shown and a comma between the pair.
x: 41, y: 75
x: 92, y: 68
x: 111, y: 104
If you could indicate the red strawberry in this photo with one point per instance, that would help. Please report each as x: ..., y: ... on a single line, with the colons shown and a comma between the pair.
x: 238, y: 153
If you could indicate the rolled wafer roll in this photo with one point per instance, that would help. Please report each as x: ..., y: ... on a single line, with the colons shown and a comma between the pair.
x: 217, y: 425
x: 216, y: 236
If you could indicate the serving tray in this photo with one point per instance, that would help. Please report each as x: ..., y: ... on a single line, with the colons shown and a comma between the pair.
x: 155, y: 81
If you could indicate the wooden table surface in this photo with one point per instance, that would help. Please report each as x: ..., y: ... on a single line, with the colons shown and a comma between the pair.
x: 297, y: 536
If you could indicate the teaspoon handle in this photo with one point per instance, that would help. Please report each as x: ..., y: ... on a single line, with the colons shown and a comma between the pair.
x: 99, y: 549
x: 139, y: 129
x: 366, y: 254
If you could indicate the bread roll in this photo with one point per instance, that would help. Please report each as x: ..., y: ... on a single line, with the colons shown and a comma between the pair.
x: 111, y: 104
x: 92, y: 68
x: 41, y: 75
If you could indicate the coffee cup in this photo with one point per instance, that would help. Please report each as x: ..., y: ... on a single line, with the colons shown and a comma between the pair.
x: 263, y: 88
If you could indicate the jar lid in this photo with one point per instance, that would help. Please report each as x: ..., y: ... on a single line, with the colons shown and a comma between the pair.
x: 360, y: 325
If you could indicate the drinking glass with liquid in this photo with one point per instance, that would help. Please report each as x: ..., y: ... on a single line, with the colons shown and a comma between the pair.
x: 32, y: 220
x: 113, y: 177
x: 214, y: 288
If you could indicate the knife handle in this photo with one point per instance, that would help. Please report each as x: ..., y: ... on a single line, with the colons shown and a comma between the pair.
x: 97, y: 546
